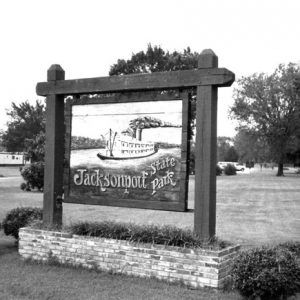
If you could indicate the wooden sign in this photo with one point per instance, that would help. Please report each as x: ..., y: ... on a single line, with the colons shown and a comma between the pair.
x: 129, y: 152
x: 112, y: 159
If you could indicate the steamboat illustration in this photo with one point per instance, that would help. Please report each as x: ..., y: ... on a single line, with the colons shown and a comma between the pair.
x: 120, y: 146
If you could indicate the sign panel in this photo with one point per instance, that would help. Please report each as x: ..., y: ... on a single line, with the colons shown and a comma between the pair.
x: 127, y: 154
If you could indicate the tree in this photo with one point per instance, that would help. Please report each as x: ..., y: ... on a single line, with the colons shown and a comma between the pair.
x: 223, y: 145
x: 231, y: 155
x: 155, y: 59
x: 251, y: 147
x: 26, y: 122
x: 2, y: 148
x: 35, y: 147
x: 267, y: 107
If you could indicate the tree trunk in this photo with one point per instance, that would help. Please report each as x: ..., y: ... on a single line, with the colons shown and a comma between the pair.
x: 280, y: 169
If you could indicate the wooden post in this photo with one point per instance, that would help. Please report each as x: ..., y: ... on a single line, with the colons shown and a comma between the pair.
x: 54, y: 152
x: 205, y: 151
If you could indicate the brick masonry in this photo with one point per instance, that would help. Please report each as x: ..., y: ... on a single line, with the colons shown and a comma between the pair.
x: 196, y: 268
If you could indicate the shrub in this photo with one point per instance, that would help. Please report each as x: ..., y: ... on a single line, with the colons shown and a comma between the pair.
x: 268, y: 273
x: 24, y: 187
x: 293, y: 247
x: 218, y: 170
x: 165, y: 235
x: 230, y: 170
x: 34, y: 175
x: 20, y: 217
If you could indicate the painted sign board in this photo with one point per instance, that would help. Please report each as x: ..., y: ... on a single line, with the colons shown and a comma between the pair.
x: 205, y: 80
x: 127, y: 153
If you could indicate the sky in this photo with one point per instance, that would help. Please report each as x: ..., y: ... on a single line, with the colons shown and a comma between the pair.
x: 96, y: 120
x: 87, y: 37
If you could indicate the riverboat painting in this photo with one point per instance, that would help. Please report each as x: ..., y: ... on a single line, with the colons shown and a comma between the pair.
x: 126, y: 151
x: 125, y: 146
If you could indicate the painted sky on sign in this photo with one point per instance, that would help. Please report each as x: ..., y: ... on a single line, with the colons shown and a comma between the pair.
x: 96, y: 119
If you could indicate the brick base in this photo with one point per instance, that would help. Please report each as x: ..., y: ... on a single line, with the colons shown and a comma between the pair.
x: 196, y: 268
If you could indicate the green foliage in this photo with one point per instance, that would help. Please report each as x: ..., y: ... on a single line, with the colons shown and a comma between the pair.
x: 79, y: 142
x: 33, y: 174
x: 218, y: 170
x: 35, y: 147
x: 20, y: 217
x: 231, y: 155
x: 223, y: 145
x: 251, y: 146
x: 24, y: 187
x: 268, y: 273
x: 267, y: 107
x: 165, y: 235
x: 26, y: 122
x: 293, y: 247
x: 230, y: 170
x: 2, y: 148
x: 155, y: 59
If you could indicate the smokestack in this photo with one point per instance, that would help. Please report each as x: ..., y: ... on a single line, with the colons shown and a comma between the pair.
x: 139, y: 134
x: 134, y: 132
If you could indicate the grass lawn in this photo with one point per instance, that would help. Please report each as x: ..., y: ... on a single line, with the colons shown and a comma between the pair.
x: 259, y: 208
x: 253, y: 208
x: 11, y: 195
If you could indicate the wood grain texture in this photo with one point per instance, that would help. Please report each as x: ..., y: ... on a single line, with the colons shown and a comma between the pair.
x: 54, y: 160
x: 205, y: 164
x: 126, y: 97
x: 131, y: 203
x: 68, y: 135
x: 183, y: 195
x: 134, y: 82
x: 205, y: 152
x: 54, y: 152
